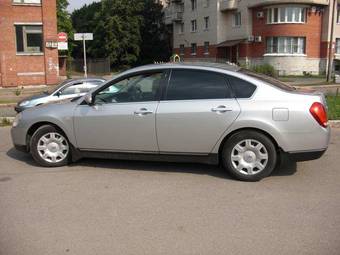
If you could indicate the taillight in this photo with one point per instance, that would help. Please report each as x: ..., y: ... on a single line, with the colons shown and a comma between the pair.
x: 319, y: 113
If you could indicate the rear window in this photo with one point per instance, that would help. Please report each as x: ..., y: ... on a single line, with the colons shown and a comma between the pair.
x: 268, y: 79
x: 241, y: 88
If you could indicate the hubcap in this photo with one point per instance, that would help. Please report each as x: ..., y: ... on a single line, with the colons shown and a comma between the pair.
x: 249, y: 157
x: 53, y: 147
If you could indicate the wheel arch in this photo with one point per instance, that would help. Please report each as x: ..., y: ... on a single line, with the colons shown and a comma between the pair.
x: 33, y: 128
x: 225, y: 139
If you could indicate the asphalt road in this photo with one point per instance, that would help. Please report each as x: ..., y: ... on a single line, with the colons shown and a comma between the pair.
x: 117, y: 207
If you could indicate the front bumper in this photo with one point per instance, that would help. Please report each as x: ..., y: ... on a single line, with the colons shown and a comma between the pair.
x: 305, y: 155
x: 18, y: 135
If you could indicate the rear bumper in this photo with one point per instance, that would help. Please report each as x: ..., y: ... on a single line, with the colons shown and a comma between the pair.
x: 305, y: 155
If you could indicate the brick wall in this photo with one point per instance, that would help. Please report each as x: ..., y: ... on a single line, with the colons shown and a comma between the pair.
x: 312, y: 30
x: 17, y: 70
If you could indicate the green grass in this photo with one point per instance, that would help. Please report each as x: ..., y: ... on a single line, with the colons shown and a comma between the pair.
x: 11, y: 101
x: 333, y: 103
x: 5, y: 122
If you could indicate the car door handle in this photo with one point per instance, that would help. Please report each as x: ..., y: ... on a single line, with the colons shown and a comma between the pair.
x: 143, y: 111
x: 221, y: 109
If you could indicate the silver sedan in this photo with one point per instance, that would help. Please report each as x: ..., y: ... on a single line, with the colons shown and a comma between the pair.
x: 215, y: 114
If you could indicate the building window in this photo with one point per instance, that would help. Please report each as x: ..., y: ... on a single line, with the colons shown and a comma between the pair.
x: 206, y: 48
x: 338, y: 15
x: 193, y: 49
x: 286, y: 15
x: 206, y: 23
x: 337, y: 46
x: 27, y: 1
x: 286, y: 45
x: 29, y: 38
x: 181, y: 49
x: 236, y: 19
x: 193, y: 5
x: 181, y: 28
x: 194, y: 25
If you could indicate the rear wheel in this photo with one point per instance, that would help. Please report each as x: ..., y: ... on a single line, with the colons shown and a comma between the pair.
x: 249, y: 155
x: 50, y: 147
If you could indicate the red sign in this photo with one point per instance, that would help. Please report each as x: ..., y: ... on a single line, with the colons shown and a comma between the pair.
x: 62, y: 37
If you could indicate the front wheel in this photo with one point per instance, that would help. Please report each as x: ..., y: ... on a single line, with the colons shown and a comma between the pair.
x: 249, y: 156
x: 50, y: 147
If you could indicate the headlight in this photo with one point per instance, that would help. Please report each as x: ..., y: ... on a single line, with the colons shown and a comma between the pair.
x: 17, y: 120
x: 24, y: 103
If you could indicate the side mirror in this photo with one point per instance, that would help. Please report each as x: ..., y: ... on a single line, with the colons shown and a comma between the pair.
x: 58, y: 94
x: 88, y: 99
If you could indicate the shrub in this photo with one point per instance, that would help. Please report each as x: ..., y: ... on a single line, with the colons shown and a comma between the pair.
x: 265, y: 69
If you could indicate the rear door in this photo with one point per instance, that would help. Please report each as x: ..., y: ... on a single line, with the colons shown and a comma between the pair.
x: 197, y: 109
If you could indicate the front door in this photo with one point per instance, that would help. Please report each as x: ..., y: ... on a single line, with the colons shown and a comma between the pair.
x: 123, y: 116
x: 197, y: 110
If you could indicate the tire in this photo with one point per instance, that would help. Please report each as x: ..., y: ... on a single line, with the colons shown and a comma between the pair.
x: 249, y: 156
x: 54, y: 147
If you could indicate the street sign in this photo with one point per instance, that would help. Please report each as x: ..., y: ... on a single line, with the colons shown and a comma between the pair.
x: 51, y: 44
x: 62, y: 46
x: 83, y: 36
x: 62, y: 37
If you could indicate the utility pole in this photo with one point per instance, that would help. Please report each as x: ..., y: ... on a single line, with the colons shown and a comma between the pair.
x: 330, y: 46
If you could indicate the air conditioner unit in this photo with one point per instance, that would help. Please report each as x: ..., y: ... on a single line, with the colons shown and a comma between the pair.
x: 251, y: 38
x: 260, y: 15
x: 258, y: 38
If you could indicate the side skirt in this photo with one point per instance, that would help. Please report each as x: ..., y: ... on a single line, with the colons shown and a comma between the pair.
x: 211, y: 159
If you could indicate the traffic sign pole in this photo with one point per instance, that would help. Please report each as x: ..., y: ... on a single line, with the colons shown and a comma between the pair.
x: 85, y: 64
x: 84, y: 37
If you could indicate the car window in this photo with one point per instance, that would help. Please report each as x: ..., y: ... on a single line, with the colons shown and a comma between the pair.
x: 197, y: 84
x: 73, y: 89
x: 268, y: 79
x: 138, y: 88
x: 95, y: 82
x: 241, y: 88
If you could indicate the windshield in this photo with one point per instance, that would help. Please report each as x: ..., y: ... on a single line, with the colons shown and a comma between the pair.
x: 268, y: 79
x: 56, y: 88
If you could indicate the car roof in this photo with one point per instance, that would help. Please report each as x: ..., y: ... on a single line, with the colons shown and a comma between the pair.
x: 84, y: 79
x: 193, y: 65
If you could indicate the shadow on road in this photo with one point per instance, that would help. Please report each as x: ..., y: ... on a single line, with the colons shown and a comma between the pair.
x: 285, y: 168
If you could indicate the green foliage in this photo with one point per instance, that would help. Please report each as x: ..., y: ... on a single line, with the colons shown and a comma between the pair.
x: 5, y: 122
x: 333, y: 103
x: 155, y: 45
x: 18, y: 91
x: 129, y: 32
x: 265, y: 69
x: 64, y: 22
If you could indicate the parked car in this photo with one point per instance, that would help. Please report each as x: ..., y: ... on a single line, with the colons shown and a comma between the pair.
x: 182, y: 113
x: 65, y: 90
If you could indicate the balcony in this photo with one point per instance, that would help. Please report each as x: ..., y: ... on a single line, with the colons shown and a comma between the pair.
x: 228, y: 5
x: 173, y: 14
x: 269, y: 2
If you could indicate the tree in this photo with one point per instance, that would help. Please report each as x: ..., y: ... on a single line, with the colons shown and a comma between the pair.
x: 155, y: 42
x: 129, y: 32
x: 64, y: 22
x: 83, y: 22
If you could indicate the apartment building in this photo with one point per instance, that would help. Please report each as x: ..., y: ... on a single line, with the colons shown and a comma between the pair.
x: 28, y: 48
x: 291, y: 35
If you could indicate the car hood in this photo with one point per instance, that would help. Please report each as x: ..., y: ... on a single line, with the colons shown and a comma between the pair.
x: 34, y: 97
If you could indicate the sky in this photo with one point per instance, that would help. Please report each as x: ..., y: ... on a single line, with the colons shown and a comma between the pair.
x: 76, y: 4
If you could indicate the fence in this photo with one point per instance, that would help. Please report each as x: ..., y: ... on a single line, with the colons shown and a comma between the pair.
x: 94, y: 66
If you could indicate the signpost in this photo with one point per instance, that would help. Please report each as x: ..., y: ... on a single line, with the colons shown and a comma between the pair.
x: 62, y: 41
x: 84, y: 37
